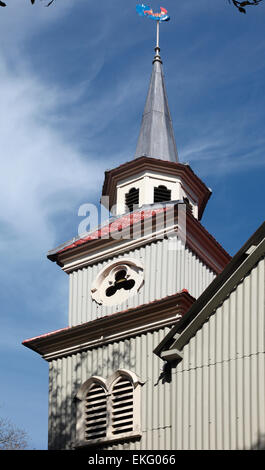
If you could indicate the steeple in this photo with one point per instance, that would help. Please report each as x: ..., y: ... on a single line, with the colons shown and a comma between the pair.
x: 156, y: 138
x: 155, y: 174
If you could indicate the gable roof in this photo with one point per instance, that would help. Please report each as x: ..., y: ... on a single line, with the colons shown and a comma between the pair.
x: 171, y: 346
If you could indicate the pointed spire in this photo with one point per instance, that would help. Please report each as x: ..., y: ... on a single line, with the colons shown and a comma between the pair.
x: 156, y: 138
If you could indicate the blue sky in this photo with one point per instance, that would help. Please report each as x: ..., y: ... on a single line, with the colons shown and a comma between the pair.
x: 74, y: 79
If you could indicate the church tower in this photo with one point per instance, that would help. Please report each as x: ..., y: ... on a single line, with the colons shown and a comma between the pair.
x: 130, y: 280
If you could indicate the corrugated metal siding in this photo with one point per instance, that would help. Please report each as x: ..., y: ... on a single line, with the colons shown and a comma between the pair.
x: 216, y: 397
x: 165, y: 273
x: 136, y: 355
x: 220, y: 384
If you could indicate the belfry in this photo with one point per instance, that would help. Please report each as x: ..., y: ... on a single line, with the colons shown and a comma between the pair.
x: 131, y: 370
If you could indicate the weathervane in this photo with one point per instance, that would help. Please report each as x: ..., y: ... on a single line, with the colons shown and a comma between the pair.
x: 145, y: 10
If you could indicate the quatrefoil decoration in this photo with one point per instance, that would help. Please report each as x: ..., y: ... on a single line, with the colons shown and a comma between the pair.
x: 117, y: 281
x: 121, y: 282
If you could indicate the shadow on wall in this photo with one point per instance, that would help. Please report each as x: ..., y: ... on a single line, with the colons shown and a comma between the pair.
x: 65, y: 381
x: 260, y: 444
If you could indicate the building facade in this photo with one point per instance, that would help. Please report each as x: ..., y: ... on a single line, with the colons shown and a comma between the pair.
x: 121, y: 375
x: 220, y: 362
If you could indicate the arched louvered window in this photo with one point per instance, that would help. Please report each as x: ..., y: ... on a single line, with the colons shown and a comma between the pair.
x: 122, y: 406
x: 162, y: 194
x: 132, y: 199
x: 95, y: 412
x: 108, y: 410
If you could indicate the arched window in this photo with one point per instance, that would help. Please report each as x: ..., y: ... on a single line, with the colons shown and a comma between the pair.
x: 132, y: 199
x: 122, y: 405
x: 108, y: 410
x: 162, y: 194
x: 95, y: 412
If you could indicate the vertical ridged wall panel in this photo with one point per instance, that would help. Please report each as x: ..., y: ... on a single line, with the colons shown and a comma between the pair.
x: 220, y: 384
x: 216, y: 396
x: 166, y: 272
x: 134, y: 354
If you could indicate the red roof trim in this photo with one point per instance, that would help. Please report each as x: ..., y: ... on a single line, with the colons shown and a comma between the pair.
x: 119, y: 224
x: 211, y: 252
x: 184, y: 294
x: 46, y: 334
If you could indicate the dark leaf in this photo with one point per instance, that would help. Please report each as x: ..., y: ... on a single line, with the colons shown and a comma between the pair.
x: 240, y: 4
x: 32, y: 1
x: 2, y: 4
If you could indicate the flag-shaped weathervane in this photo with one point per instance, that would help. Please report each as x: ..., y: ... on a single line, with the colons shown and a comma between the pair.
x: 145, y: 10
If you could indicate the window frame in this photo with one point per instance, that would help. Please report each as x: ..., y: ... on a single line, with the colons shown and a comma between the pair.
x: 98, y: 289
x: 108, y: 385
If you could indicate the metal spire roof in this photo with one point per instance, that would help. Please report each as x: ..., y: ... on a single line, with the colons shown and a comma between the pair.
x: 156, y: 138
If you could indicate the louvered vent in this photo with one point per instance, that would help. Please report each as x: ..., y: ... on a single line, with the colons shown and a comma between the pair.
x: 122, y: 406
x: 95, y: 413
x: 189, y: 207
x: 132, y: 198
x: 161, y: 194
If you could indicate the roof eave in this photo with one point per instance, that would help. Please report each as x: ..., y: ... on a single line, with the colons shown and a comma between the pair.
x: 257, y: 240
x: 178, y: 304
x: 194, y: 231
x: 141, y: 164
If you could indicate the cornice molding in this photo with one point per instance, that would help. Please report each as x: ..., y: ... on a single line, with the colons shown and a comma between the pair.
x: 198, y: 240
x: 147, y: 317
x: 143, y: 164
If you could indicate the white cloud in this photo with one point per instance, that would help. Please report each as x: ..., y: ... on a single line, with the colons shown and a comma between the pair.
x: 45, y: 128
x: 37, y: 164
x: 20, y: 20
x: 43, y: 170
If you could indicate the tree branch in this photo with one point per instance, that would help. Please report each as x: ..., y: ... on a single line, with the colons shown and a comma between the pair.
x: 240, y: 5
x: 11, y: 437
